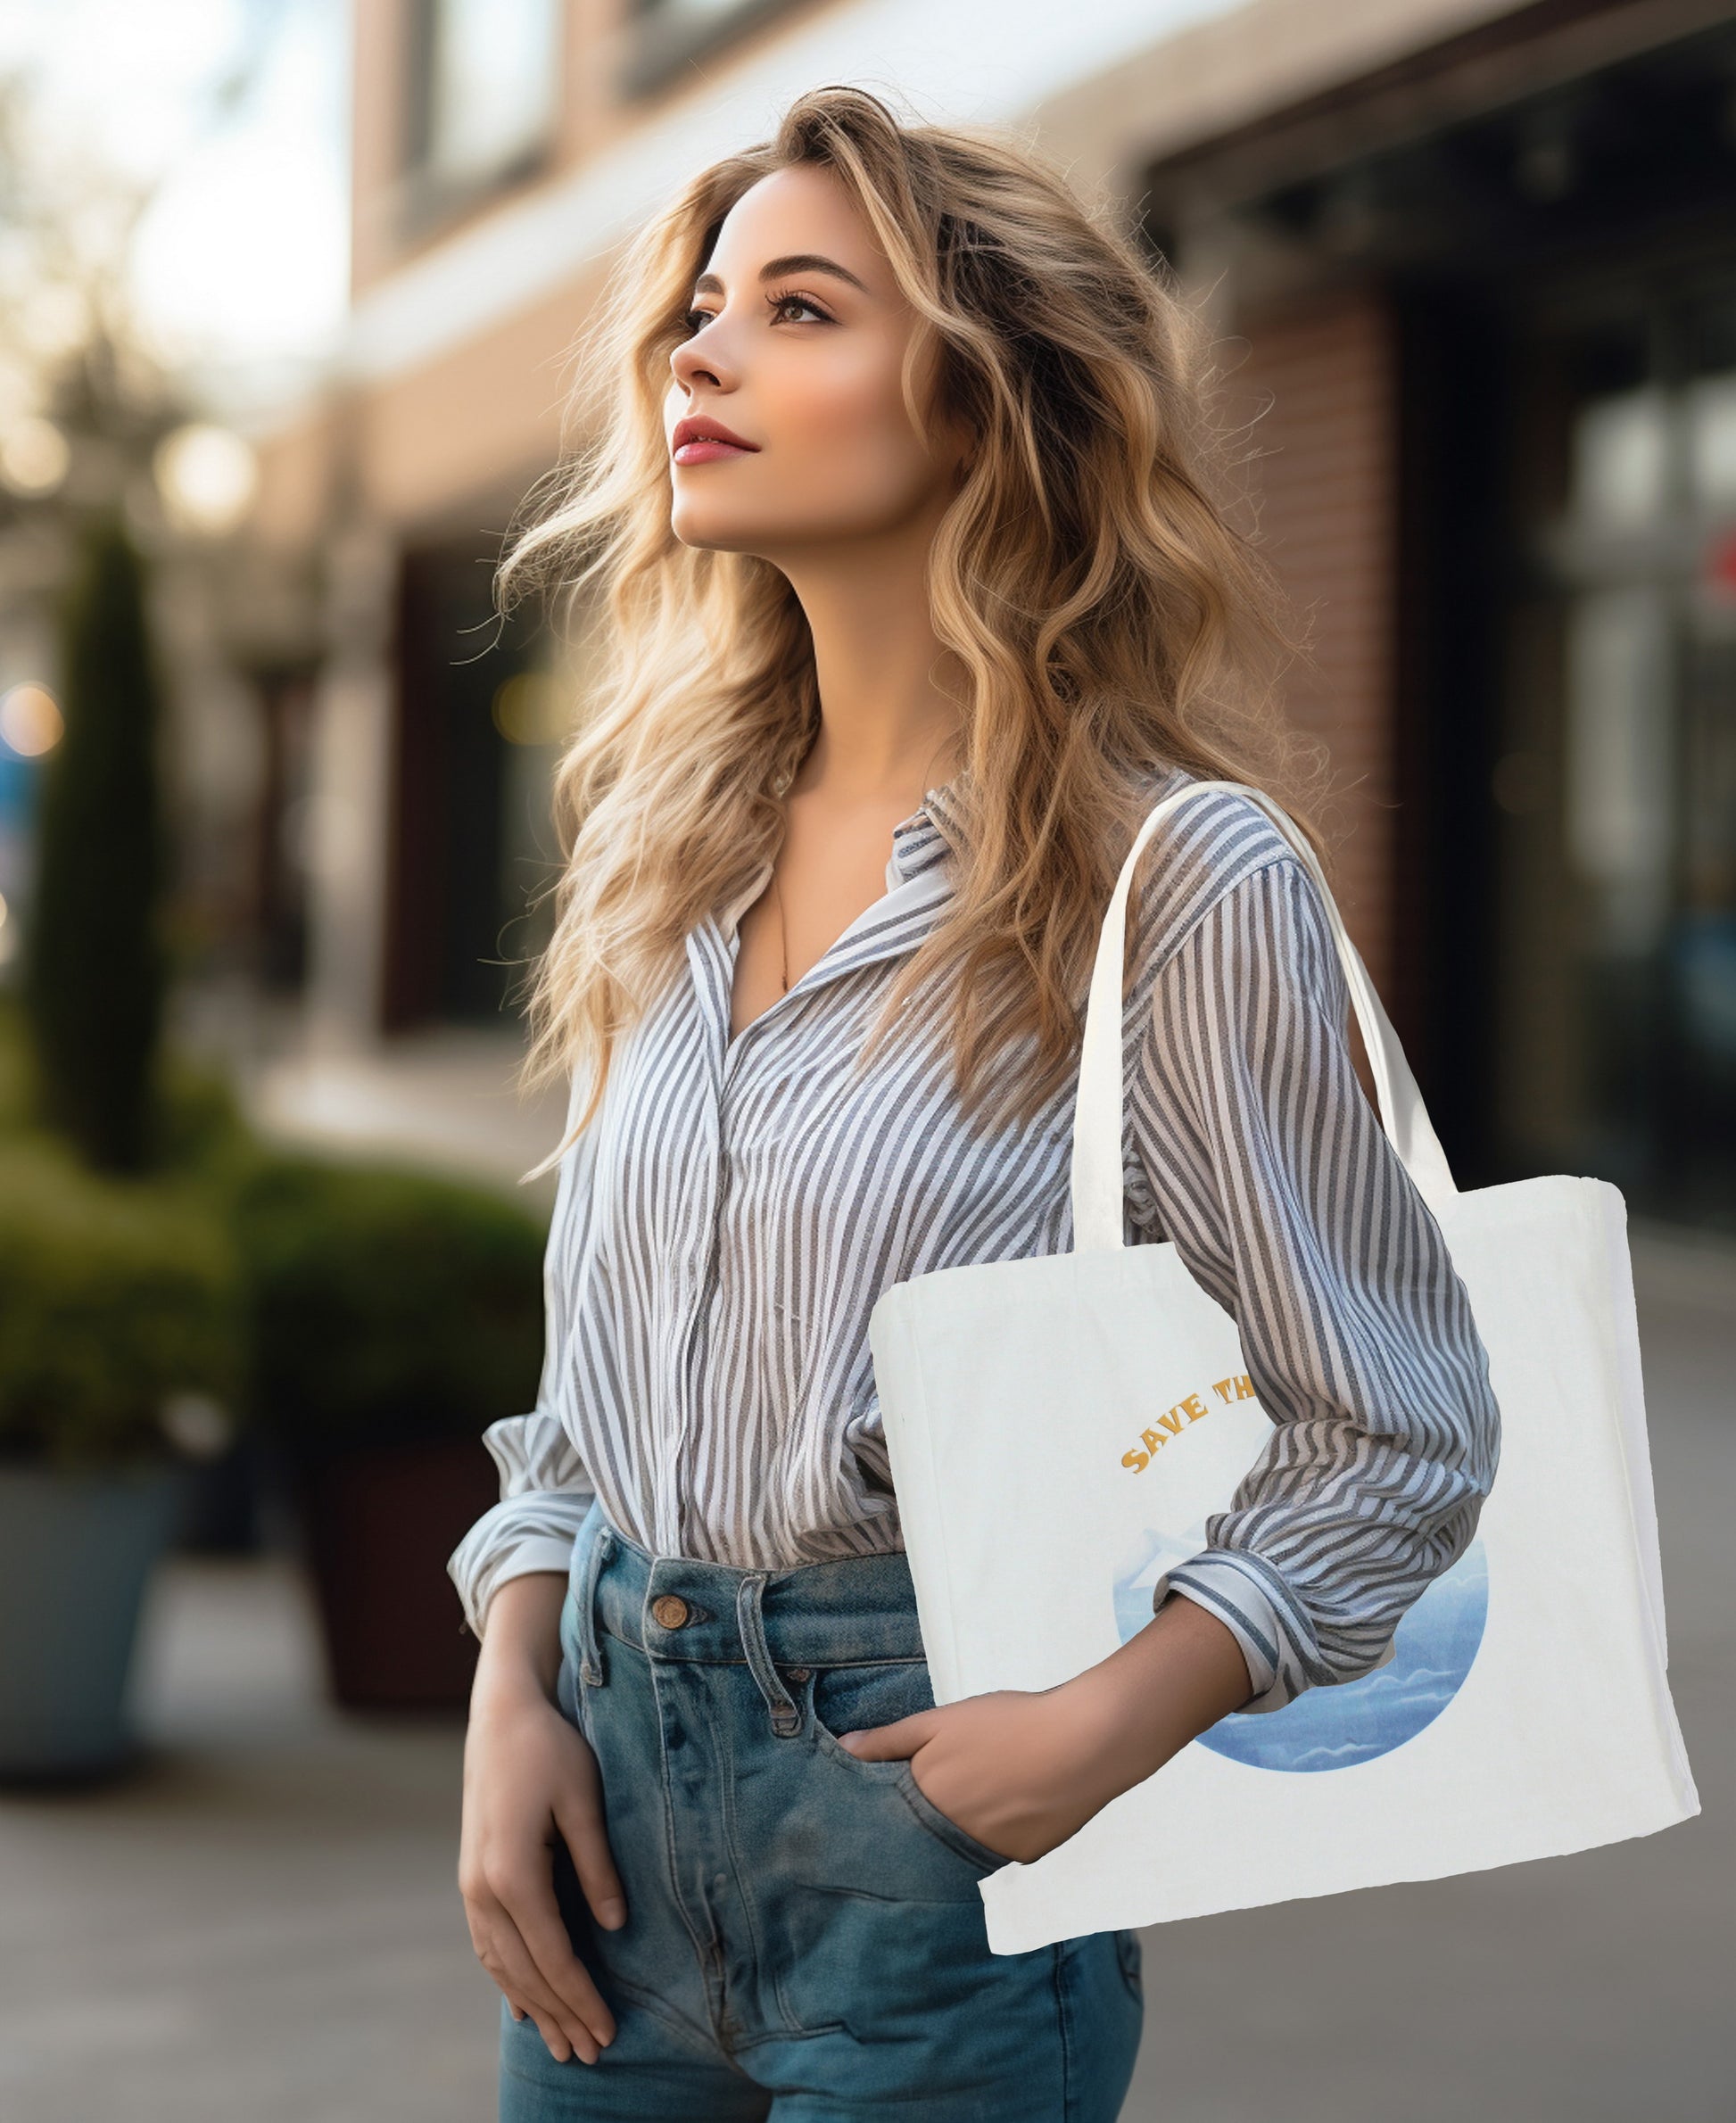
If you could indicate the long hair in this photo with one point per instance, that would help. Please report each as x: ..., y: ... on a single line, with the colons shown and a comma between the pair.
x: 1110, y: 619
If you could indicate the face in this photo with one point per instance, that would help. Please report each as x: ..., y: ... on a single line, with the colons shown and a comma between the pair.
x: 798, y: 331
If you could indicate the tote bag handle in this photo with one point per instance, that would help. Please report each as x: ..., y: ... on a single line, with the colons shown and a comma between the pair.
x: 1098, y: 1115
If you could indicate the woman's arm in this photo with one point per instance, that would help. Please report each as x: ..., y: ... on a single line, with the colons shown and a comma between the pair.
x: 1023, y: 1772
x: 1271, y: 1173
x: 529, y: 1777
x: 545, y: 1491
x: 1265, y: 1164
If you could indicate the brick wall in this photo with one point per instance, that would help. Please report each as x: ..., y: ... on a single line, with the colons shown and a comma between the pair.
x: 1325, y: 476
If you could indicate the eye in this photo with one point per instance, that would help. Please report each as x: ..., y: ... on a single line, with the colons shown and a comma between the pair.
x: 778, y: 302
x: 695, y: 320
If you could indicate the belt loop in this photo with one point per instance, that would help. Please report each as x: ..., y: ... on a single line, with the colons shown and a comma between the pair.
x: 786, y: 1717
x: 602, y: 1546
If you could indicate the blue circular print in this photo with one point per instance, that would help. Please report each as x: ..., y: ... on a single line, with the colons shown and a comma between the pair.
x: 1336, y: 1728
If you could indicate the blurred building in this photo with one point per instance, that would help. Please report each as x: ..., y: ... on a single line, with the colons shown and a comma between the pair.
x: 1474, y: 266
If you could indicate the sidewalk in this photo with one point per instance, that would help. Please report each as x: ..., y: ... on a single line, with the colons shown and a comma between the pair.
x: 445, y: 1097
x: 264, y: 1926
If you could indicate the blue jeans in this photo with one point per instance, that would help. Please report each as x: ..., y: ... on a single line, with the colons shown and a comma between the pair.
x: 805, y: 1937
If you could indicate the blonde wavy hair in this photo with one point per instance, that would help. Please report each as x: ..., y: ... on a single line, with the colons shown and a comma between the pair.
x: 1109, y: 619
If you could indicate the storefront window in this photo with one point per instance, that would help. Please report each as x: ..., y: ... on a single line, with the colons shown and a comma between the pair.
x: 485, y: 92
x: 666, y: 34
x: 1618, y: 1034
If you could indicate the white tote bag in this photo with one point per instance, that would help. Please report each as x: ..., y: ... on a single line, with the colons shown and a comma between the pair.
x: 1523, y: 1711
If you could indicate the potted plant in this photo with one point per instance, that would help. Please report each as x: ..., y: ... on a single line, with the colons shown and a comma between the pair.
x: 118, y: 1336
x: 392, y: 1316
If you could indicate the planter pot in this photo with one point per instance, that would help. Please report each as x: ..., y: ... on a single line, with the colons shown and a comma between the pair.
x: 379, y: 1525
x: 76, y: 1553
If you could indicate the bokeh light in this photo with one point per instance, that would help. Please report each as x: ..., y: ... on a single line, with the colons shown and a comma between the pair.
x: 207, y: 477
x: 33, y: 457
x: 529, y: 710
x: 31, y: 720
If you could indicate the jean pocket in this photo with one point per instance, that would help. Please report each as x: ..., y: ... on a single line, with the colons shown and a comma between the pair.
x: 858, y: 1698
x: 945, y: 1828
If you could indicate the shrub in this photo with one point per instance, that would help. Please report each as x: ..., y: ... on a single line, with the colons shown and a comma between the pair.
x: 15, y: 1095
x: 385, y: 1306
x: 203, y: 1133
x: 115, y: 1295
x: 94, y: 966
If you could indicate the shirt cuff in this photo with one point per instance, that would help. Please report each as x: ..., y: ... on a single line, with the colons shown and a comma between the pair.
x: 542, y: 1551
x: 535, y: 1531
x: 1252, y: 1601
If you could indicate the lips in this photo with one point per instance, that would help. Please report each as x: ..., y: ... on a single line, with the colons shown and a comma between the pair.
x: 699, y: 441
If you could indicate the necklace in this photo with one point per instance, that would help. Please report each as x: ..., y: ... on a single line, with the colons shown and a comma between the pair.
x: 783, y: 940
x: 780, y: 790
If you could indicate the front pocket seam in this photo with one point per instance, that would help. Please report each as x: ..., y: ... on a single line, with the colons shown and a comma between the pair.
x: 938, y: 1827
x: 943, y: 1828
x: 830, y: 1743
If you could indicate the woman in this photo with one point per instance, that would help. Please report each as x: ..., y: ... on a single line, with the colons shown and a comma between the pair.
x: 900, y: 529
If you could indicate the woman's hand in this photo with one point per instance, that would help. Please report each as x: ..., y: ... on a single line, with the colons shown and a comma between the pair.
x: 530, y: 1778
x: 1023, y: 1772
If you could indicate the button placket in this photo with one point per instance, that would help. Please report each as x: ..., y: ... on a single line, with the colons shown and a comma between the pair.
x: 699, y: 1326
x: 696, y: 1288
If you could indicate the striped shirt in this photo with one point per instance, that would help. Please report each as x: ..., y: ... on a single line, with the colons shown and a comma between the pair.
x: 723, y: 1227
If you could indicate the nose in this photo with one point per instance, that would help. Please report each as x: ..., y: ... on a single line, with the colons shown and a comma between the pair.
x: 701, y: 359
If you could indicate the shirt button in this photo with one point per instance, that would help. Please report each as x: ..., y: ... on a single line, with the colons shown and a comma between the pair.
x: 670, y: 1609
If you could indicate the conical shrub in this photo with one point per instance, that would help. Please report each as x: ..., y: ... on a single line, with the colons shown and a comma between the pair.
x: 95, y: 973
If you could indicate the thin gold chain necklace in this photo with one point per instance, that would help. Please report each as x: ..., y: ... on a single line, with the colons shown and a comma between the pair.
x: 781, y: 792
x: 783, y: 941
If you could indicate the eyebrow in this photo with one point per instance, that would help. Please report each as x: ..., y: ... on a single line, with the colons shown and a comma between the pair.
x: 775, y: 268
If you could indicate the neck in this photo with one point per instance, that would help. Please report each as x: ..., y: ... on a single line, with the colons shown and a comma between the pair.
x: 890, y: 719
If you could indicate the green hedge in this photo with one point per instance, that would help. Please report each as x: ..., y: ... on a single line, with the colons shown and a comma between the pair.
x: 114, y: 1295
x: 329, y: 1304
x: 385, y: 1305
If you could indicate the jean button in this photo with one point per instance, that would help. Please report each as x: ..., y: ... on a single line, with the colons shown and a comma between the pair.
x: 796, y: 1672
x: 670, y: 1609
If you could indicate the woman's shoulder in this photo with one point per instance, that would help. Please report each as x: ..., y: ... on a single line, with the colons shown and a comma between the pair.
x: 1202, y: 850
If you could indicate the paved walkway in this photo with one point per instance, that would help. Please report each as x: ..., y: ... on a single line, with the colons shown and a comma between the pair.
x: 446, y: 1096
x: 262, y: 1927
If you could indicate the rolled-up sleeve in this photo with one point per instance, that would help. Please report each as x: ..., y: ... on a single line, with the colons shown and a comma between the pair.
x: 545, y: 1489
x: 1268, y: 1168
x: 545, y: 1494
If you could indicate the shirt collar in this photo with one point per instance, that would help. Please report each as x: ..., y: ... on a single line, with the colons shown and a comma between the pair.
x: 920, y: 843
x: 932, y: 830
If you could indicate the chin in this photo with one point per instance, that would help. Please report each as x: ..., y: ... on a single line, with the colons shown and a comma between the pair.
x: 712, y: 537
x: 719, y: 530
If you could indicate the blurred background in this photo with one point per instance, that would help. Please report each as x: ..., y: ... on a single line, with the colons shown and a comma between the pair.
x: 287, y: 289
